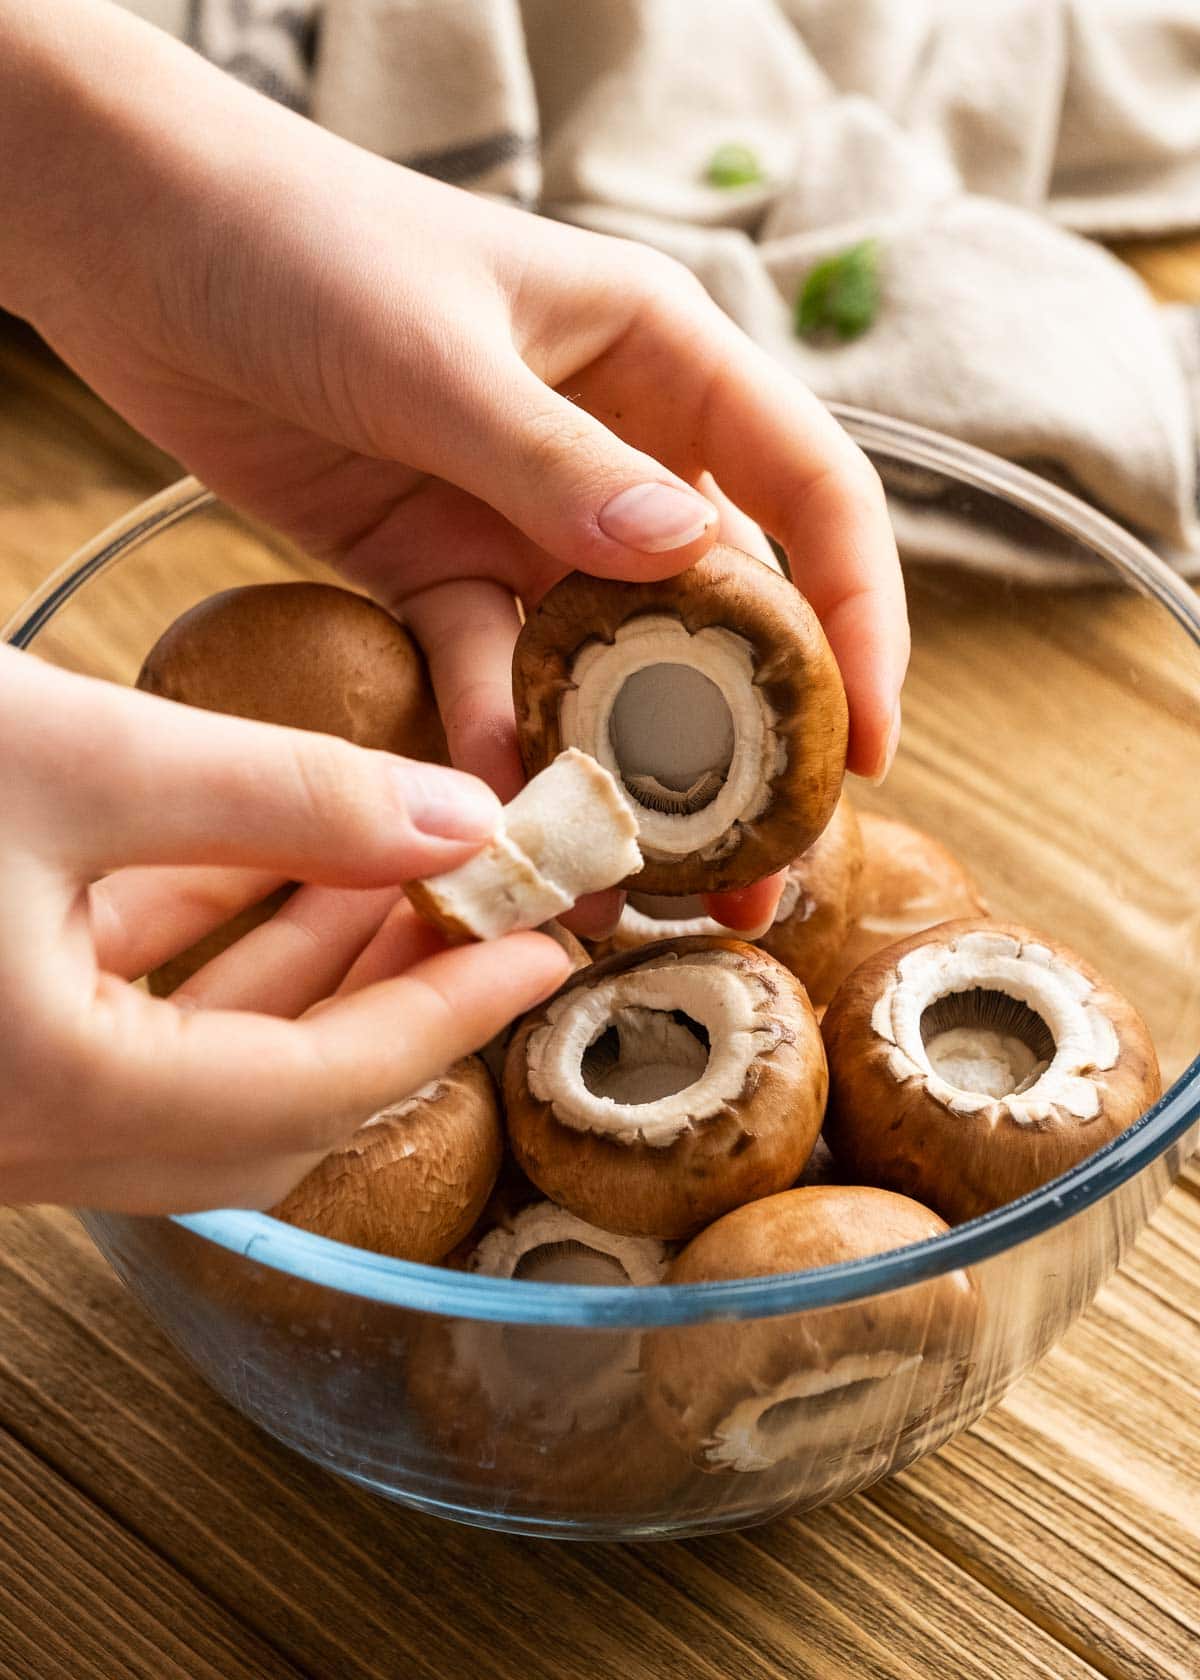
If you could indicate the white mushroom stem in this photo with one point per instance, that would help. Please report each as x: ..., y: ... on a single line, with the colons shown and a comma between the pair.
x: 810, y: 1407
x: 966, y: 1073
x: 567, y: 833
x: 683, y: 1086
x: 679, y: 722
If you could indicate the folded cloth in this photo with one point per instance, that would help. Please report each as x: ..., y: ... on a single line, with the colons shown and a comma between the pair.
x: 973, y: 144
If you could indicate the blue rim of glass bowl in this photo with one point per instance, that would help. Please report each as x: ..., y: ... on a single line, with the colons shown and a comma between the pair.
x: 460, y: 1294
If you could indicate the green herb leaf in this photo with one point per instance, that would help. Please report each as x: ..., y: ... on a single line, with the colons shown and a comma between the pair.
x: 734, y: 165
x: 840, y: 295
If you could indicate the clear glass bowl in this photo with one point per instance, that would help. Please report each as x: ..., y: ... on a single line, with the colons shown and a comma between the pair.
x: 1049, y: 729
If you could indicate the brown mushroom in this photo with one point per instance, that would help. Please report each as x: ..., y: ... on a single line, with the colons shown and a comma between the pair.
x: 820, y: 1168
x: 810, y: 1389
x: 713, y: 698
x: 661, y: 1087
x: 819, y: 905
x: 553, y: 1415
x: 568, y: 832
x: 414, y: 1180
x: 909, y: 881
x: 820, y: 898
x: 305, y: 655
x: 977, y: 1060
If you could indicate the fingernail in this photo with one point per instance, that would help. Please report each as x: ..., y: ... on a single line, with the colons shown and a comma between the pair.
x: 889, y: 752
x: 656, y: 517
x: 446, y: 804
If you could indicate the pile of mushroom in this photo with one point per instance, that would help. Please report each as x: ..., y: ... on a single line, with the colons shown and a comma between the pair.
x: 676, y: 1113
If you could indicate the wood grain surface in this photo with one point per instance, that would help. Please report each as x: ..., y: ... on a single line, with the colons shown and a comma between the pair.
x: 147, y: 1530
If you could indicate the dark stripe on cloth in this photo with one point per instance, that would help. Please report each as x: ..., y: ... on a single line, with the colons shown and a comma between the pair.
x: 251, y: 70
x: 457, y: 164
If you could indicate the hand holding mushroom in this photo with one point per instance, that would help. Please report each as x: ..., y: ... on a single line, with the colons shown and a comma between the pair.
x: 230, y: 1101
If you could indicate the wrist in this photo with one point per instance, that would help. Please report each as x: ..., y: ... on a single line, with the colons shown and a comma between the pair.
x: 118, y: 131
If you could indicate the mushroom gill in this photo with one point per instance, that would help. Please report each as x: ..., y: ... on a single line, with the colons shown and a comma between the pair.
x: 984, y: 1041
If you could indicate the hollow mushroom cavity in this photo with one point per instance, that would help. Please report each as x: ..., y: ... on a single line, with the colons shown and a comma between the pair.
x: 990, y: 1020
x: 713, y: 700
x: 594, y: 1374
x: 549, y: 1414
x: 761, y: 1430
x: 567, y: 833
x: 649, y: 1054
x: 677, y: 719
x: 976, y: 1060
x: 661, y: 1087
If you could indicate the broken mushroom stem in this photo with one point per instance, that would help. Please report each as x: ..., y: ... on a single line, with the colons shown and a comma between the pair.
x: 568, y: 832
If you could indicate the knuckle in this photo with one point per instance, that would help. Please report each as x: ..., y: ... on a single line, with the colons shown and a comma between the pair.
x: 846, y: 480
x: 336, y: 791
x: 55, y: 1077
x: 559, y: 438
x: 859, y: 476
x: 666, y: 280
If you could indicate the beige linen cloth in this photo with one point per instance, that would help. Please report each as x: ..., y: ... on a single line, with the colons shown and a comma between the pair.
x: 974, y: 140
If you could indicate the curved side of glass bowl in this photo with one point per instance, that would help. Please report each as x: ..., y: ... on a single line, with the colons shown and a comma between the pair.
x: 149, y: 519
x: 432, y: 1289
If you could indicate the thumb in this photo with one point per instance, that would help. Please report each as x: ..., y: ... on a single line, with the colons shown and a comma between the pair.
x: 113, y: 777
x: 572, y: 486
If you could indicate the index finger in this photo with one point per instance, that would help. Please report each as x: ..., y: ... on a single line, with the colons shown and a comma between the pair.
x: 702, y: 396
x: 781, y: 455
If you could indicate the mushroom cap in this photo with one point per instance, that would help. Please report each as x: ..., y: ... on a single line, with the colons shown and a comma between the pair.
x: 909, y: 881
x: 304, y: 655
x: 819, y: 904
x: 734, y: 1120
x: 832, y: 1379
x: 552, y: 1415
x: 413, y: 1181
x: 754, y: 635
x: 511, y: 1194
x: 1039, y: 1064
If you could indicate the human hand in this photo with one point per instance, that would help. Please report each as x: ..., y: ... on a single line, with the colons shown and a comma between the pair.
x: 454, y: 401
x: 119, y: 1100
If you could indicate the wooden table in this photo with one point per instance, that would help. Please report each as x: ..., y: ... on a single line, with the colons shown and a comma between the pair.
x: 147, y: 1530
